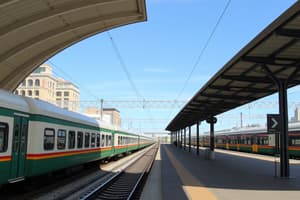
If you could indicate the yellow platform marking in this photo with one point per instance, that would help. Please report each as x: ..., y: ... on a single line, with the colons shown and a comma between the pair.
x: 192, y: 186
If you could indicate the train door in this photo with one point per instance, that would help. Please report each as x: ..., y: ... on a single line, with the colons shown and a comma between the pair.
x: 20, y: 132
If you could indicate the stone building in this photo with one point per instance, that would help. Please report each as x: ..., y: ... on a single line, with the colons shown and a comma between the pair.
x: 41, y: 84
x: 109, y: 115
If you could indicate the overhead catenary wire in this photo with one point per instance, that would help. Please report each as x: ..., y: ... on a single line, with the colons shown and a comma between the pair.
x: 204, y: 48
x: 72, y: 79
x: 124, y: 67
x: 76, y: 82
x: 202, y: 52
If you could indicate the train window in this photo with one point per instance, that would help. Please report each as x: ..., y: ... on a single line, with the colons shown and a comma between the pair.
x: 259, y: 140
x: 243, y: 141
x: 248, y: 141
x: 98, y: 140
x: 102, y: 140
x: 265, y: 140
x: 87, y: 140
x: 295, y: 141
x: 106, y: 140
x: 71, y: 139
x: 93, y: 139
x: 79, y: 140
x: 109, y: 140
x: 49, y: 135
x: 3, y: 137
x: 61, y: 139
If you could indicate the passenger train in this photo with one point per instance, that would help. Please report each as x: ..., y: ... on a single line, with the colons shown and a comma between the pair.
x: 253, y: 140
x: 37, y: 137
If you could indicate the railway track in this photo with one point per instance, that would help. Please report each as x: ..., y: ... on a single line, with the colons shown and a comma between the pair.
x: 125, y: 184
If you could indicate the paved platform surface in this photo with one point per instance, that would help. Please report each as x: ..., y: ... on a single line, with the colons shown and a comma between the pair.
x: 179, y: 174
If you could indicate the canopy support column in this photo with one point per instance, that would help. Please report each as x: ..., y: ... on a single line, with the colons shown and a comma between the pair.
x: 177, y: 139
x: 283, y: 112
x: 282, y: 85
x: 197, y: 140
x: 212, y: 120
x: 184, y: 141
x: 190, y: 138
x: 181, y: 138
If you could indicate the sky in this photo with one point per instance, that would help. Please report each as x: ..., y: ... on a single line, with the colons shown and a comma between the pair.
x: 160, y: 53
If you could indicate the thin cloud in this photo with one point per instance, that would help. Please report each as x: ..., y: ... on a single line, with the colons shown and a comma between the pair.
x: 201, y: 78
x: 156, y: 70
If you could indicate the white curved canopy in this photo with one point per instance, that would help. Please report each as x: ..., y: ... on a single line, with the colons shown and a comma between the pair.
x: 31, y: 31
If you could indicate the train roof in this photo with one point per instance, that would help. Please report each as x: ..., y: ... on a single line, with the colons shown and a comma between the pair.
x: 295, y: 126
x: 12, y: 101
x: 106, y: 125
x: 245, y: 130
x: 40, y: 107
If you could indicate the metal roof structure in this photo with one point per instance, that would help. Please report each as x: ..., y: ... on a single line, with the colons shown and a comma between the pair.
x: 32, y: 31
x: 246, y: 77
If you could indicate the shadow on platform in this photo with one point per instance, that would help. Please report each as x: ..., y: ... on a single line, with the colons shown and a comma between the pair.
x: 232, y: 172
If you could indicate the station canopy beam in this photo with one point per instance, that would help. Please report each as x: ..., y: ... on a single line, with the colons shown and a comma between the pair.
x: 244, y: 79
x: 33, y: 31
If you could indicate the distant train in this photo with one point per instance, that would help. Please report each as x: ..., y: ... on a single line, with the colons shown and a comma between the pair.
x: 253, y: 140
x: 37, y: 137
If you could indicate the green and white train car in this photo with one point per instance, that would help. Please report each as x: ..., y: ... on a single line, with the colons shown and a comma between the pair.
x: 37, y: 137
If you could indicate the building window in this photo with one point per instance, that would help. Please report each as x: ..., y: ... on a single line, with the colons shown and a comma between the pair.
x: 22, y: 92
x: 30, y: 83
x: 66, y: 94
x: 58, y: 94
x: 16, y: 92
x: 61, y: 139
x: 37, y: 82
x: 37, y: 93
x: 66, y: 103
x: 58, y: 102
x: 49, y: 139
x: 29, y: 92
x: 24, y: 83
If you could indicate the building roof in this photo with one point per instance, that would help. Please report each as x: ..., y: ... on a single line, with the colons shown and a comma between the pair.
x: 32, y: 31
x: 245, y: 77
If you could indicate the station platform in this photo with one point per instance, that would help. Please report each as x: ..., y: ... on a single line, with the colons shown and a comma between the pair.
x: 179, y: 174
